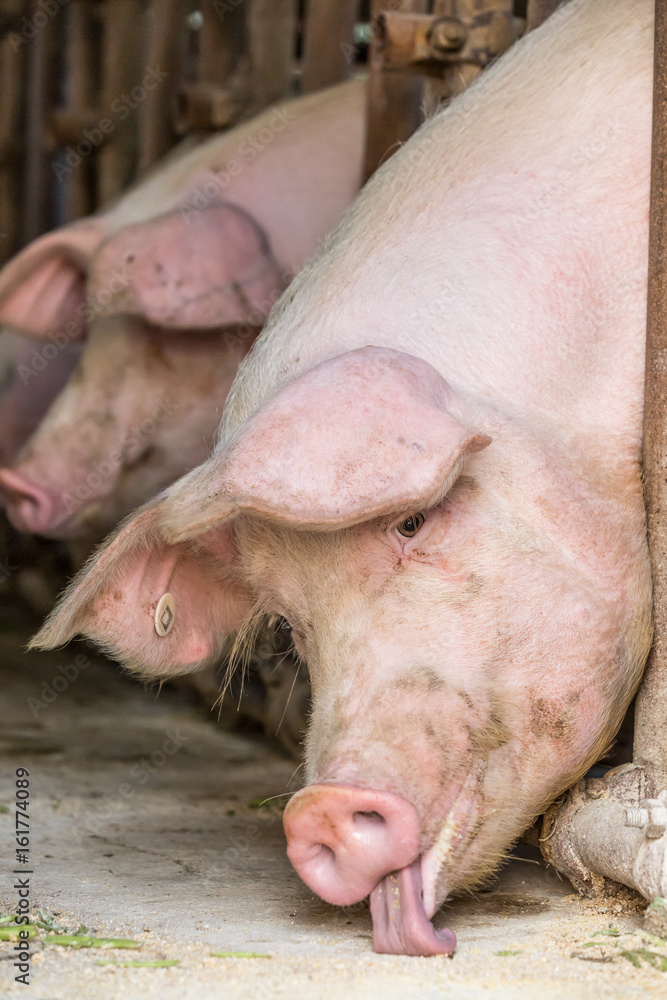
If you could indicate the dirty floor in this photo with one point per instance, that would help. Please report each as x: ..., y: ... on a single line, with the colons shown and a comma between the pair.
x: 146, y: 823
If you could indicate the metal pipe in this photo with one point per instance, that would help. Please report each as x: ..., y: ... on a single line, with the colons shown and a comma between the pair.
x: 607, y: 838
x: 651, y: 710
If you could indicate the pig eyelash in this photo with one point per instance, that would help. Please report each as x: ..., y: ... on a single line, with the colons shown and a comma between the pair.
x: 409, y: 526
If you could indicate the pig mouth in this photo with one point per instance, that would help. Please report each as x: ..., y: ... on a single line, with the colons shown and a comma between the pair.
x: 400, y: 924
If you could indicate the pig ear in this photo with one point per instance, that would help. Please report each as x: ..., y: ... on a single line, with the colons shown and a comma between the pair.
x: 367, y: 433
x: 42, y: 289
x: 116, y: 600
x: 191, y: 268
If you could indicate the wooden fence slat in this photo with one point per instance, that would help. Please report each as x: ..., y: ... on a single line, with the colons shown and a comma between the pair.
x: 40, y: 93
x: 328, y: 43
x: 165, y: 33
x: 271, y: 45
x: 651, y: 708
x: 80, y: 81
x: 11, y: 147
x: 123, y: 68
x: 221, y: 40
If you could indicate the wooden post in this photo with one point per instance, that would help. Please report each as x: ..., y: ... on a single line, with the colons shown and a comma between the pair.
x: 122, y: 71
x: 651, y: 707
x: 80, y: 76
x: 166, y: 35
x: 271, y: 45
x: 218, y: 96
x: 329, y: 43
x: 12, y: 62
x: 394, y: 99
x: 41, y: 88
x: 221, y: 40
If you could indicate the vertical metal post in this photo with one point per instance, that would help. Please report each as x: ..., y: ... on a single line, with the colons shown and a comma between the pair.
x: 394, y: 99
x: 651, y: 710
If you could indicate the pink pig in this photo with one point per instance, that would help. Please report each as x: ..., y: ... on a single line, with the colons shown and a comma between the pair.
x: 430, y: 467
x: 167, y: 290
x: 22, y: 405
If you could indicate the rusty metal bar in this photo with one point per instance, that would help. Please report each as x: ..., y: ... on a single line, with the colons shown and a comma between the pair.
x: 651, y: 709
x: 538, y: 11
x: 394, y: 99
x: 328, y: 48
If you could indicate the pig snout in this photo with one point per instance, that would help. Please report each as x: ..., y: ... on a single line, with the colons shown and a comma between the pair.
x: 344, y: 840
x: 29, y: 507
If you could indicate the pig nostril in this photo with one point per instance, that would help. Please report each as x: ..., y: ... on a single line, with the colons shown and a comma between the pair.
x: 372, y: 816
x: 325, y: 854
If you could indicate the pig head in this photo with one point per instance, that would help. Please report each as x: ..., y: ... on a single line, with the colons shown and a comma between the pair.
x: 474, y: 629
x: 23, y: 406
x: 163, y: 312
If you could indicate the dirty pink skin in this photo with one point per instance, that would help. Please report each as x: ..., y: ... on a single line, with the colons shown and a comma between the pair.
x: 163, y: 295
x: 22, y: 406
x: 467, y: 347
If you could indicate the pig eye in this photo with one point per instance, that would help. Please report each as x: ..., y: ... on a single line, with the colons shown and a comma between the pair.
x: 411, y: 525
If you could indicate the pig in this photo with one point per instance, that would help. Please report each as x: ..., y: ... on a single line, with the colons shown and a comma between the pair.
x: 163, y: 295
x: 429, y: 466
x: 21, y: 407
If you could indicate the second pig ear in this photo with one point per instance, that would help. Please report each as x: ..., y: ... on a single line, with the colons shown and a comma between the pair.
x: 202, y: 269
x: 43, y: 288
x: 368, y: 433
x: 157, y: 608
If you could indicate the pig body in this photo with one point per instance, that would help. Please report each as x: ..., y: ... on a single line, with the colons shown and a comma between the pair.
x: 430, y: 467
x: 164, y: 294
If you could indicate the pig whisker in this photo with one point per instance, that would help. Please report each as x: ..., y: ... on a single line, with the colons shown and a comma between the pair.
x: 292, y: 775
x: 296, y: 674
x: 241, y: 650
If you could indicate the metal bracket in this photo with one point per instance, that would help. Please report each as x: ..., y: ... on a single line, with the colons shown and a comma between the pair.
x: 431, y: 44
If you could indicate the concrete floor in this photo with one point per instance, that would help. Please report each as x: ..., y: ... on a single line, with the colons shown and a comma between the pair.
x: 144, y: 824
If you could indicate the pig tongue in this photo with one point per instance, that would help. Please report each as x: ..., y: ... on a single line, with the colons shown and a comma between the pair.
x: 400, y: 925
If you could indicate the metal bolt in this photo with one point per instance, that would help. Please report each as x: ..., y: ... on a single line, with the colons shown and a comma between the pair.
x: 636, y: 817
x: 447, y: 35
x: 657, y: 818
x: 650, y: 817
